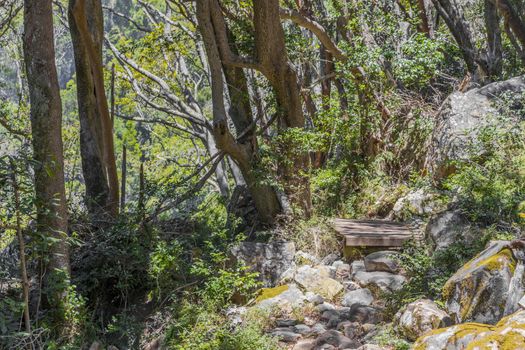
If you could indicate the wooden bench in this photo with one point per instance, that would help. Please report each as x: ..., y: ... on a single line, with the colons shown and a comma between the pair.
x: 373, y: 233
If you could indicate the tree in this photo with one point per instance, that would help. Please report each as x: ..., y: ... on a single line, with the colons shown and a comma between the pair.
x: 271, y: 59
x: 242, y: 149
x: 96, y: 130
x: 46, y: 122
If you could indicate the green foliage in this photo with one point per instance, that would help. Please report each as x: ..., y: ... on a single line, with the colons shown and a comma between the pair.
x: 388, y: 338
x: 420, y: 61
x: 491, y: 187
x: 117, y: 263
x: 165, y: 264
x: 200, y: 328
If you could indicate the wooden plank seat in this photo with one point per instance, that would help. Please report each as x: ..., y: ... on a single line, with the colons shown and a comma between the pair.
x: 373, y: 233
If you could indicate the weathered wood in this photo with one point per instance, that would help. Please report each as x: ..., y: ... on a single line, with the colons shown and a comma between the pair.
x: 373, y: 233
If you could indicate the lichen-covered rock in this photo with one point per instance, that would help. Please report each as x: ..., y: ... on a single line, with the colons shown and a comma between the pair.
x: 286, y: 297
x: 379, y: 281
x: 304, y: 258
x: 461, y: 119
x: 270, y: 260
x: 419, y: 317
x: 507, y: 334
x: 479, y: 290
x: 382, y: 261
x: 317, y: 280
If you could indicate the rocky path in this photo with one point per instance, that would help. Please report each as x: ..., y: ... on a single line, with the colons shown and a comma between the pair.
x: 332, y: 304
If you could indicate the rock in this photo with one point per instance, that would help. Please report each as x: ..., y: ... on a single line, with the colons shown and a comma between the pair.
x: 447, y: 228
x: 352, y: 330
x: 285, y: 335
x: 330, y: 259
x: 313, y: 298
x: 508, y: 333
x: 331, y: 317
x: 418, y: 202
x: 285, y: 297
x: 419, y: 317
x: 342, y: 270
x: 302, y: 329
x: 460, y: 120
x: 325, y: 306
x: 270, y: 260
x: 478, y: 291
x: 351, y: 285
x: 304, y: 344
x: 304, y: 258
x: 96, y: 346
x: 318, y: 328
x: 361, y: 296
x: 371, y: 347
x: 516, y: 289
x: 336, y: 339
x: 234, y: 315
x: 317, y: 280
x: 364, y: 314
x: 380, y: 281
x: 285, y: 323
x: 357, y: 266
x: 382, y: 261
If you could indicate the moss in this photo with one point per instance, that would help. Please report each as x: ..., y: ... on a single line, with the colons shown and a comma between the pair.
x: 267, y: 293
x: 506, y: 335
x: 511, y: 340
x: 498, y: 261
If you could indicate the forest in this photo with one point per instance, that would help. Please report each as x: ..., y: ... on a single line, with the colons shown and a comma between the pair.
x: 262, y: 174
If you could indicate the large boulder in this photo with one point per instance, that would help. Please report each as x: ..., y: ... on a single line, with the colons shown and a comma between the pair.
x: 382, y: 261
x: 461, y: 119
x: 270, y: 260
x: 419, y: 317
x: 318, y: 280
x: 479, y: 291
x: 507, y: 334
x: 448, y: 227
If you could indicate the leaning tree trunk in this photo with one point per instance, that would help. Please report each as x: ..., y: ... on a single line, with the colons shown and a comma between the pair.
x: 46, y: 123
x: 96, y: 130
x: 242, y: 150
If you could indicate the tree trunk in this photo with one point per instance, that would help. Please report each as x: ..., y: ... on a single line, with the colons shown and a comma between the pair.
x: 513, y: 19
x: 96, y: 131
x: 272, y: 57
x: 46, y: 123
x: 494, y: 47
x: 242, y: 150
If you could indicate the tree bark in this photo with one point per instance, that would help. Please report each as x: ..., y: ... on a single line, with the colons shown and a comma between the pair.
x: 96, y: 131
x: 46, y: 123
x: 513, y: 19
x: 271, y: 56
x: 494, y: 47
x: 242, y: 150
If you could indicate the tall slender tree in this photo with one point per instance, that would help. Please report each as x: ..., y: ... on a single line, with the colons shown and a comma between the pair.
x: 46, y: 121
x: 86, y: 24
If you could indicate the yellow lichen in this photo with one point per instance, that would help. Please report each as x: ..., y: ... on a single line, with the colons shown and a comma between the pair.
x: 267, y: 293
x: 498, y: 261
x: 508, y: 334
